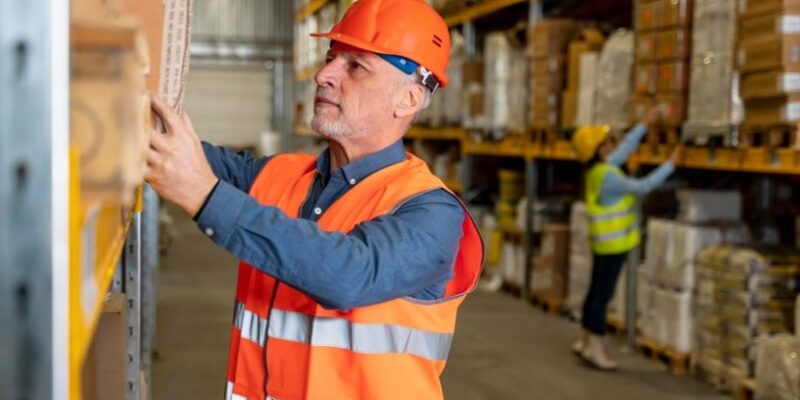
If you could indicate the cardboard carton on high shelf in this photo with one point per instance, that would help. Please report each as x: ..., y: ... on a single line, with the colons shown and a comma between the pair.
x: 778, y: 110
x: 544, y: 67
x: 545, y: 118
x: 674, y: 44
x: 672, y: 108
x: 550, y: 37
x: 587, y: 40
x: 770, y: 52
x: 776, y: 83
x: 752, y: 8
x: 648, y: 15
x: 109, y: 109
x: 646, y: 79
x: 646, y: 46
x: 768, y: 26
x: 639, y: 107
x: 473, y: 92
x: 673, y: 77
x: 674, y: 13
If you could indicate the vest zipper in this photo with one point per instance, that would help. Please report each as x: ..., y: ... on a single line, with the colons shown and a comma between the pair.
x: 266, y: 333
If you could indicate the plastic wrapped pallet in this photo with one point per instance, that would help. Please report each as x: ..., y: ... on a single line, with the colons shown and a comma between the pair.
x: 709, y: 205
x: 453, y: 93
x: 778, y: 369
x: 504, y: 90
x: 712, y: 74
x: 587, y: 89
x: 677, y: 315
x: 614, y: 80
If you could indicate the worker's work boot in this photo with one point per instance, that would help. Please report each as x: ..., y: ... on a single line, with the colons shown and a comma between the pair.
x: 580, y: 344
x: 595, y: 353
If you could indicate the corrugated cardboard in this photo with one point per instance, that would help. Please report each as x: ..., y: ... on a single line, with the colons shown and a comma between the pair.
x: 150, y: 14
x: 569, y: 108
x: 773, y: 111
x: 673, y: 108
x: 546, y: 67
x: 588, y: 40
x: 675, y: 13
x: 771, y: 52
x: 105, y: 368
x: 550, y: 37
x: 674, y: 44
x: 753, y: 8
x: 93, y: 10
x: 639, y: 107
x: 768, y: 26
x: 673, y: 77
x: 769, y: 84
x: 648, y: 15
x: 646, y: 79
x: 646, y: 46
x: 552, y: 266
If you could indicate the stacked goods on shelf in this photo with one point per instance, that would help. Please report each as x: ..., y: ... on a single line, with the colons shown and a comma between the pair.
x: 612, y: 99
x: 778, y: 368
x: 580, y: 259
x: 445, y: 7
x: 309, y: 52
x: 769, y: 40
x: 711, y: 81
x: 547, y: 46
x: 512, y: 188
x: 550, y: 273
x: 662, y: 59
x: 577, y: 101
x: 472, y: 94
x: 452, y: 95
x: 743, y: 295
x: 504, y: 85
x: 669, y: 272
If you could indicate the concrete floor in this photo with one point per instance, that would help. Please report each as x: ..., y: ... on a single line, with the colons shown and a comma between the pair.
x: 503, y: 349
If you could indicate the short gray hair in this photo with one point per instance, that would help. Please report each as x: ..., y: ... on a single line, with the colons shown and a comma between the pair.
x: 416, y: 77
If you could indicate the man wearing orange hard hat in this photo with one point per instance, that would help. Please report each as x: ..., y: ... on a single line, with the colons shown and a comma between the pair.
x: 353, y: 262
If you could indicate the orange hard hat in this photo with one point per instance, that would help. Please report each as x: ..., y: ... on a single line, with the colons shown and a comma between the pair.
x: 407, y: 28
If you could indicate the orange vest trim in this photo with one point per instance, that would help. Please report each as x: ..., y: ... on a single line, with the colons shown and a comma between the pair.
x: 393, y: 350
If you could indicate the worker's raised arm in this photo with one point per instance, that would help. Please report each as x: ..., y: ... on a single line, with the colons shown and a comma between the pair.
x: 631, y: 141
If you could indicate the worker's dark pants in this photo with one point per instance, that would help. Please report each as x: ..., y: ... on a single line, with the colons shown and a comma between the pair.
x: 605, y: 272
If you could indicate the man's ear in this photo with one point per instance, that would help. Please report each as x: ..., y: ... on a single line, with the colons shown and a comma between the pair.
x: 412, y: 98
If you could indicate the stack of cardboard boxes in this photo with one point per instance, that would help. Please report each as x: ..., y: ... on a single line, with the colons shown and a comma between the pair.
x: 547, y: 41
x: 550, y: 275
x: 769, y: 61
x: 662, y: 58
x: 581, y: 77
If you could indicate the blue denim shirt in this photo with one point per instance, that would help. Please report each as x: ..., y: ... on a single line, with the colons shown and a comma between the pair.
x: 408, y: 253
x: 615, y: 186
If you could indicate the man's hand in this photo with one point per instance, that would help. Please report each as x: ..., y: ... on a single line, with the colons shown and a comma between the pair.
x: 177, y: 168
x: 653, y: 116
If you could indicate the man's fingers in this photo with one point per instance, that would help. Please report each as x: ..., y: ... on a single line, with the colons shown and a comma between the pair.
x: 154, y: 158
x: 157, y: 140
x: 167, y: 115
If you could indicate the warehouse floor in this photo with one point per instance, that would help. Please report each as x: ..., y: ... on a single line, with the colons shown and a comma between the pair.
x: 504, y: 348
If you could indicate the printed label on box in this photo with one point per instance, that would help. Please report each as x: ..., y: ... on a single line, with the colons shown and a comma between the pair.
x: 791, y: 112
x: 789, y: 24
x: 789, y: 82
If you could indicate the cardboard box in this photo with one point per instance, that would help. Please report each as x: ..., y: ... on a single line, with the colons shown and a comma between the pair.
x: 777, y: 110
x: 675, y: 13
x: 473, y: 71
x: 646, y: 79
x: 648, y: 15
x: 550, y: 37
x: 150, y: 15
x: 646, y: 47
x: 768, y: 26
x: 674, y: 44
x: 759, y: 85
x: 773, y: 52
x: 753, y: 8
x: 569, y: 108
x: 639, y: 107
x: 555, y: 244
x: 673, y: 77
x: 106, y: 369
x: 545, y: 118
x: 673, y: 108
x: 588, y: 40
x: 546, y: 67
x: 548, y: 281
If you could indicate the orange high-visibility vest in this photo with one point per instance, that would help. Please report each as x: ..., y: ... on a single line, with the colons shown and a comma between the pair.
x: 392, y: 350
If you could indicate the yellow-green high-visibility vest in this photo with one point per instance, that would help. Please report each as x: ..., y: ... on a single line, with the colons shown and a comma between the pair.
x: 613, y: 229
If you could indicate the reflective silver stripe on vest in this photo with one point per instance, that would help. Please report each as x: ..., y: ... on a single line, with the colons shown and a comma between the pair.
x: 615, y: 235
x: 346, y: 335
x: 229, y: 395
x: 610, y: 216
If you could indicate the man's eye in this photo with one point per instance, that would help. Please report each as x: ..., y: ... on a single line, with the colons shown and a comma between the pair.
x: 355, y: 65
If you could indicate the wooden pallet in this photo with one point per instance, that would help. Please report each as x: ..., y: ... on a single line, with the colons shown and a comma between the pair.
x: 548, y: 305
x: 544, y: 136
x: 615, y: 325
x: 677, y: 363
x: 775, y: 136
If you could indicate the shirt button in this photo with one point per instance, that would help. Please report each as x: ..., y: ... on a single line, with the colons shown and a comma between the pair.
x: 209, y: 232
x: 352, y: 181
x: 318, y: 211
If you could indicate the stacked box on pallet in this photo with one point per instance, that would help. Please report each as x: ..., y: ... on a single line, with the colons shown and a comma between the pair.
x: 446, y: 105
x: 550, y: 274
x: 580, y: 259
x: 662, y: 59
x: 504, y: 85
x: 778, y: 368
x: 612, y: 100
x: 769, y: 41
x: 711, y: 96
x: 747, y: 295
x: 547, y: 46
x: 577, y: 102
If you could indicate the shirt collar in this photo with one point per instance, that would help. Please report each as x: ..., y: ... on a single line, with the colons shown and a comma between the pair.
x: 357, y: 171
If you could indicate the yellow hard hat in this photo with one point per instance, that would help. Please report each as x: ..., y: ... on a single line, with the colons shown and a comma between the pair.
x: 587, y: 139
